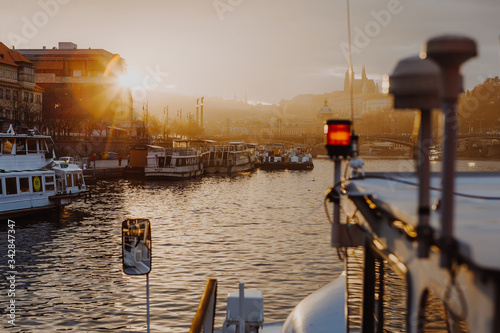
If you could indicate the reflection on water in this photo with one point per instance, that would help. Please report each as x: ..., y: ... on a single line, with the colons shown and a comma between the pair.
x: 267, y: 229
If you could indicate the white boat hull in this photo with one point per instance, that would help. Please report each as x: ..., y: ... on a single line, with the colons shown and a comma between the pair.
x: 164, y: 174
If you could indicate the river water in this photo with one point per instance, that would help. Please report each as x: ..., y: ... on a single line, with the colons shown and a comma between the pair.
x: 266, y: 229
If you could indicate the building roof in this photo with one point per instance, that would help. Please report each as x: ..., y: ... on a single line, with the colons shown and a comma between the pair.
x: 55, y: 54
x: 11, y: 57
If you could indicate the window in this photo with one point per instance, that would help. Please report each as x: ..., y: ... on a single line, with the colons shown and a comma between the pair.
x: 25, y: 96
x: 1, y: 112
x: 11, y: 185
x: 21, y: 146
x: 77, y: 73
x: 7, y: 114
x: 31, y: 97
x: 1, y: 72
x: 1, y: 187
x: 32, y: 146
x: 49, y: 183
x: 38, y: 98
x: 15, y: 95
x: 7, y: 145
x: 24, y: 184
x: 1, y: 93
x: 7, y: 94
x: 68, y: 180
x: 75, y: 179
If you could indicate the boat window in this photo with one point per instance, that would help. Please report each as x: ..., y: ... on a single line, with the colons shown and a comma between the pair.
x: 37, y: 183
x: 43, y: 146
x: 75, y: 179
x: 161, y: 162
x: 11, y: 185
x: 68, y: 180
x: 7, y: 145
x: 49, y: 183
x: 21, y: 146
x: 24, y: 184
x: 1, y: 187
x: 32, y: 146
x: 168, y: 159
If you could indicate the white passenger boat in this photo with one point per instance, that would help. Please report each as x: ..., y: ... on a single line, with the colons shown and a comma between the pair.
x: 231, y: 158
x: 30, y: 180
x: 273, y: 157
x: 180, y: 162
x: 299, y: 159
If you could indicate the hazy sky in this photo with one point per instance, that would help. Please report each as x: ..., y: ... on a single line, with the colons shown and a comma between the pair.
x: 270, y: 49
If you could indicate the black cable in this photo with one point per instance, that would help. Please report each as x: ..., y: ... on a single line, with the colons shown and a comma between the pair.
x: 432, y: 187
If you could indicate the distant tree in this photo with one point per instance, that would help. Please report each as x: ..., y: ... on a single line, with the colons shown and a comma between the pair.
x: 30, y: 113
x: 479, y: 109
x: 154, y: 126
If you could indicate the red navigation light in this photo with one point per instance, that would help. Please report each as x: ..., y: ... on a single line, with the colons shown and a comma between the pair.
x: 338, y: 137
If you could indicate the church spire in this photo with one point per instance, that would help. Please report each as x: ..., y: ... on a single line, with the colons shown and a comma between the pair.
x: 363, y: 74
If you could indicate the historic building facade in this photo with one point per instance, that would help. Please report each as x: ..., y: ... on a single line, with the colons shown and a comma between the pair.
x: 20, y: 96
x: 83, y: 95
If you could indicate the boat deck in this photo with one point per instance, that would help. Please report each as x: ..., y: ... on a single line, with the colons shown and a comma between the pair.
x: 477, y: 220
x: 381, y: 212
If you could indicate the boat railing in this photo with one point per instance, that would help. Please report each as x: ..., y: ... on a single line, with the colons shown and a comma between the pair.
x: 183, y: 152
x: 204, y: 319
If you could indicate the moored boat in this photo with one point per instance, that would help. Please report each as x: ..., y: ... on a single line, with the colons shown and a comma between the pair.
x: 227, y: 159
x: 30, y: 180
x: 273, y: 157
x: 180, y: 162
x: 299, y: 159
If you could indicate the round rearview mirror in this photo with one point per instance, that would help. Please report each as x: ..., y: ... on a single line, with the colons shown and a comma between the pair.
x: 136, y: 246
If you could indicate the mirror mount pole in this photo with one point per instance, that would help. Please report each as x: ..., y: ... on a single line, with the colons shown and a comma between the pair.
x: 147, y: 302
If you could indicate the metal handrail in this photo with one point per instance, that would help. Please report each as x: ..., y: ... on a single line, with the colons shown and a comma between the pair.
x: 204, y: 319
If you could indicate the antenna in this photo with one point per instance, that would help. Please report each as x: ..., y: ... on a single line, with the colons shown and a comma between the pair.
x: 351, y: 72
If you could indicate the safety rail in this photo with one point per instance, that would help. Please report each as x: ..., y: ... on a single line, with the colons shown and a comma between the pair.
x: 204, y: 319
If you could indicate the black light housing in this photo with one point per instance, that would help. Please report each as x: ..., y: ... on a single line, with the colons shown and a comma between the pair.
x: 354, y: 146
x: 338, y: 138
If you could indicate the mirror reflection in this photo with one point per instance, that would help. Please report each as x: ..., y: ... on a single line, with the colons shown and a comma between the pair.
x: 136, y: 246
